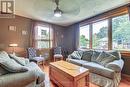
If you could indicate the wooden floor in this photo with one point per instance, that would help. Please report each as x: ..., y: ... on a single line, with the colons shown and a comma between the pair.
x: 124, y: 83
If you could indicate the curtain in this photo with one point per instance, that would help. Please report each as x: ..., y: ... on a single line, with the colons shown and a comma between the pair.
x: 129, y: 11
x: 76, y: 36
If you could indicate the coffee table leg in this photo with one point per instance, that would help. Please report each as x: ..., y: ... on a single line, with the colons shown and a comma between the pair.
x: 87, y: 80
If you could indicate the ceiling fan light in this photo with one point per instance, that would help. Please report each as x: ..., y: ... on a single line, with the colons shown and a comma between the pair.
x: 57, y: 13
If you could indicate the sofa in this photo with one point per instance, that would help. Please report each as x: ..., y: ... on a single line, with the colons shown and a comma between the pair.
x: 105, y: 66
x: 19, y: 72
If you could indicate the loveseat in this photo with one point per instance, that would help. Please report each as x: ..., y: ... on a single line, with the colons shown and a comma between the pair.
x: 19, y: 72
x: 105, y: 66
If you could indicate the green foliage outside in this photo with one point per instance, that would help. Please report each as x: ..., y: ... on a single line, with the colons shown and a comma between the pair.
x: 83, y: 41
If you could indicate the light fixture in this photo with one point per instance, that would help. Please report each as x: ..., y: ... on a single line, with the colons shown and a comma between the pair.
x: 57, y: 12
x: 13, y: 45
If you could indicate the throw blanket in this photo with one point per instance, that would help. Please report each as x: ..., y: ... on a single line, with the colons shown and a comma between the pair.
x: 40, y: 75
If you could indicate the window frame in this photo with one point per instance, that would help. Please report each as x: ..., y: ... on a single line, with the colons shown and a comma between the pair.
x: 89, y: 37
x: 49, y: 40
x: 109, y: 31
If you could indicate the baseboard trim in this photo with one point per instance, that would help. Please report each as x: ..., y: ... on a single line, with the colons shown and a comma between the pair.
x: 127, y: 77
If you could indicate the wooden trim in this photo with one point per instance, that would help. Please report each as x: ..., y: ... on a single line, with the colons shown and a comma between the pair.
x: 90, y: 36
x: 106, y: 15
x: 110, y: 34
x: 125, y: 54
x: 127, y: 77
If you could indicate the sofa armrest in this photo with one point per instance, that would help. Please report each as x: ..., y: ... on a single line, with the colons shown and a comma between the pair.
x: 17, y: 79
x: 116, y: 65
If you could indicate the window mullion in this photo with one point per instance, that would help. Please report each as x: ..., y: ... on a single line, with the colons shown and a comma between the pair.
x: 110, y: 34
x: 90, y: 35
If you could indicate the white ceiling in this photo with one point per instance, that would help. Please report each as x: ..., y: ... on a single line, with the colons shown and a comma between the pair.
x: 73, y: 10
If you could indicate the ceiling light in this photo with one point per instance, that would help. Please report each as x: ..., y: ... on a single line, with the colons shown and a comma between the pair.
x: 57, y: 12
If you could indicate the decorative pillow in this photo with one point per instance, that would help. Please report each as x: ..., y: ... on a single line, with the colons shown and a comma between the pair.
x: 115, y: 53
x: 12, y: 66
x: 19, y: 60
x: 95, y: 56
x: 104, y: 58
x: 3, y: 71
x: 77, y: 54
x: 87, y: 55
x: 4, y: 55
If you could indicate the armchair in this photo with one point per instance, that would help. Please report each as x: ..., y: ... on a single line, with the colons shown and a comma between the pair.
x: 32, y: 55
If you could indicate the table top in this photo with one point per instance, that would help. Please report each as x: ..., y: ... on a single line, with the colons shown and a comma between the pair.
x: 69, y: 68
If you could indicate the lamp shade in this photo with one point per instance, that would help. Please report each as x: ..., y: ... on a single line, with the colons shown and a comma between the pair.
x: 13, y: 45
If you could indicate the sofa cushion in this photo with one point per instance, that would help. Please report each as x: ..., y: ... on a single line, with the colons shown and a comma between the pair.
x: 77, y: 62
x: 116, y: 65
x: 115, y: 53
x: 77, y: 54
x: 99, y: 69
x: 12, y: 66
x: 3, y: 71
x: 104, y: 58
x: 87, y: 55
x: 19, y: 60
x: 95, y: 56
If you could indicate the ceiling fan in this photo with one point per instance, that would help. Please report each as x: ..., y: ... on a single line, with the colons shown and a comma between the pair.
x: 57, y: 11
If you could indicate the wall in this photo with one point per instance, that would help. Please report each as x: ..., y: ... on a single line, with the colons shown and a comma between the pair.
x: 24, y: 41
x: 7, y: 36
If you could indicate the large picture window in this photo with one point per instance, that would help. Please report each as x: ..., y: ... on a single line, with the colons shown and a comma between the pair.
x: 84, y: 37
x: 116, y: 30
x: 43, y: 37
x: 121, y: 32
x: 100, y: 35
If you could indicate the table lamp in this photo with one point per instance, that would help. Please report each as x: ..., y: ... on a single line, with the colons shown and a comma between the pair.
x: 13, y: 45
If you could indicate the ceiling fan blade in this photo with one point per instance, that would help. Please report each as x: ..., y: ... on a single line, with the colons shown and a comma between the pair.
x: 68, y: 8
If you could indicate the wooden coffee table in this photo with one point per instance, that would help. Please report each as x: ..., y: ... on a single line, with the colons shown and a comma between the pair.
x: 65, y: 74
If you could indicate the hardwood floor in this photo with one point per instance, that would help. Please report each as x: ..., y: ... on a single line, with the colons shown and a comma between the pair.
x: 124, y: 83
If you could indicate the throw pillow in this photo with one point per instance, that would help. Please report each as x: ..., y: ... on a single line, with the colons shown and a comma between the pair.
x: 87, y: 55
x: 12, y: 66
x: 95, y: 56
x: 108, y: 60
x: 18, y: 59
x: 115, y: 53
x: 77, y: 54
x: 104, y: 58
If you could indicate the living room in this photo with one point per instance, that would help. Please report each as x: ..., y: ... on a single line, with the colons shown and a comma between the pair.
x: 64, y: 43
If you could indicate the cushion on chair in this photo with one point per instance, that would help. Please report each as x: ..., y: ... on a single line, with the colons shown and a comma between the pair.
x: 58, y: 56
x: 99, y: 69
x: 37, y: 59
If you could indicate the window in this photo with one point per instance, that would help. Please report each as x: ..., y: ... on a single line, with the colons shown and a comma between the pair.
x: 84, y: 37
x: 100, y: 35
x: 43, y: 37
x: 121, y: 32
